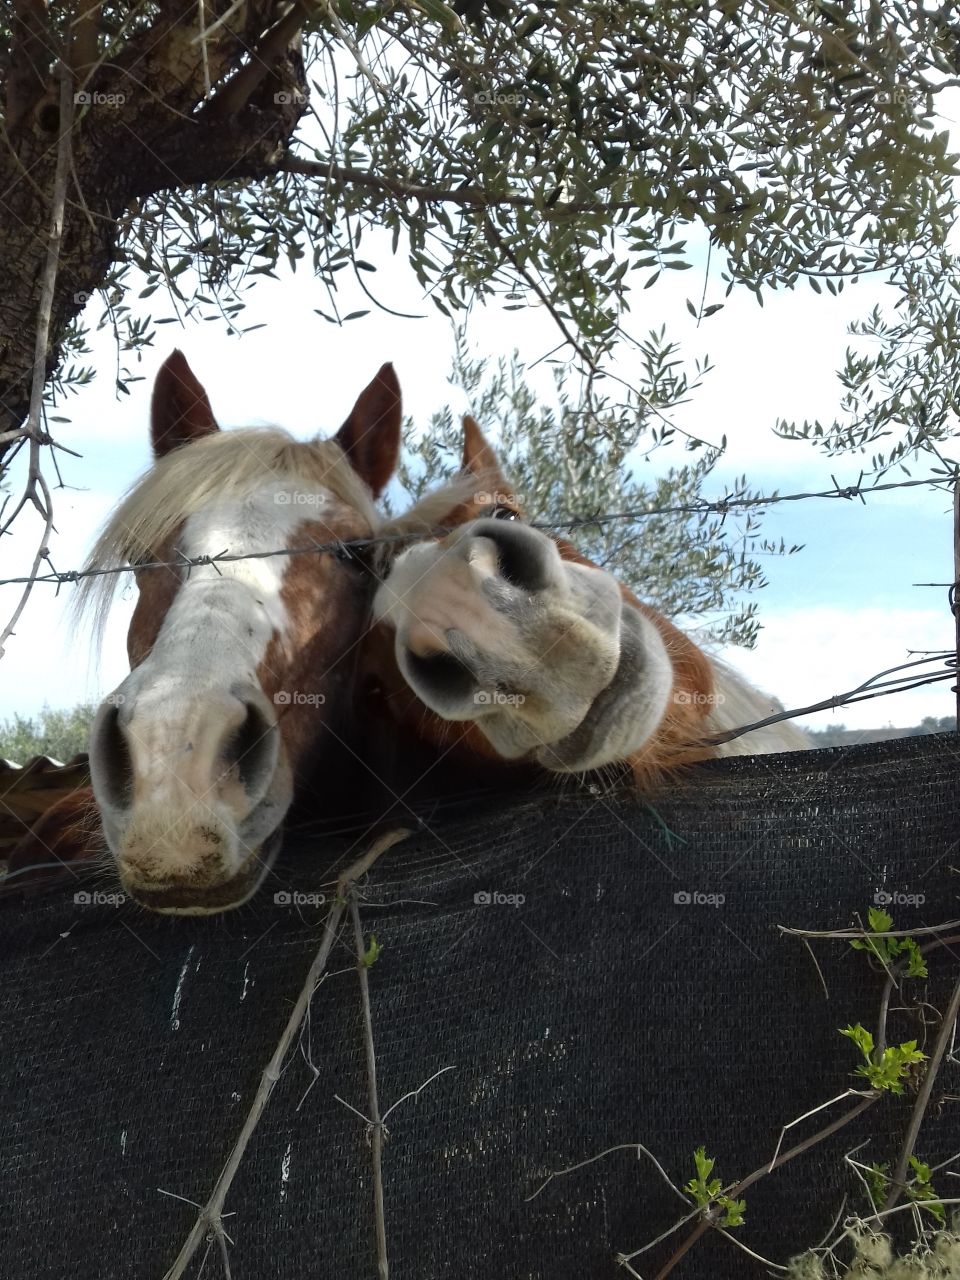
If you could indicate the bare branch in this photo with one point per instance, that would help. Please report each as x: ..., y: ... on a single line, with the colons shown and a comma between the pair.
x: 465, y: 197
x: 36, y: 489
x: 210, y: 1218
x: 376, y: 1136
x: 898, y: 1177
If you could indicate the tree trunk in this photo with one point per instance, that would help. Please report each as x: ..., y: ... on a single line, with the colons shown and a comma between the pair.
x: 141, y: 127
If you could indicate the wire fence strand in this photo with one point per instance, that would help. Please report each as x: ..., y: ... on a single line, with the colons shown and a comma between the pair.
x: 719, y: 506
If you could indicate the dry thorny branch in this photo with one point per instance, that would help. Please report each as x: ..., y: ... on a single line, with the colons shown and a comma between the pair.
x: 209, y: 1224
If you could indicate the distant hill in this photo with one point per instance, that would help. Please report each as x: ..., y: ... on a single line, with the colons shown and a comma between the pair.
x: 843, y: 737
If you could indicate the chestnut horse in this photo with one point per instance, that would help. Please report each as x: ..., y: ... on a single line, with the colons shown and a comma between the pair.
x: 239, y: 668
x: 543, y: 658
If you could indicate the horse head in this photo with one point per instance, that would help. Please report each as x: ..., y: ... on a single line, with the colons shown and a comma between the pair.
x: 547, y: 657
x: 241, y: 664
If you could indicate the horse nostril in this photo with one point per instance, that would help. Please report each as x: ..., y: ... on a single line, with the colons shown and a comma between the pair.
x: 440, y: 675
x: 114, y: 766
x: 251, y: 749
x: 524, y: 557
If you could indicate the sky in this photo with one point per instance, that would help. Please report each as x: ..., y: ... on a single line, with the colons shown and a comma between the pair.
x: 843, y: 608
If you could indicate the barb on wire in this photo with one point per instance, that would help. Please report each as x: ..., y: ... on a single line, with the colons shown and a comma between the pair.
x: 720, y: 505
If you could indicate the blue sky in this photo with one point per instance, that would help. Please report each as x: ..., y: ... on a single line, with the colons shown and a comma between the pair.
x: 841, y: 609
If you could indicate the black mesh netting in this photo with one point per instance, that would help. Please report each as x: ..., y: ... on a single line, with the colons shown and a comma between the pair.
x: 599, y: 1011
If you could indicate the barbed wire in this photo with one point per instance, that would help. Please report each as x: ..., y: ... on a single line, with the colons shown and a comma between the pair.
x: 861, y: 693
x: 719, y: 506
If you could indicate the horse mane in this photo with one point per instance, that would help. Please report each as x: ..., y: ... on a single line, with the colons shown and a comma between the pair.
x: 739, y: 703
x: 438, y: 508
x: 220, y: 466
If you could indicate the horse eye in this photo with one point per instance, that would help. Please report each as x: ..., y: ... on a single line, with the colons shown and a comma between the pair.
x: 504, y: 513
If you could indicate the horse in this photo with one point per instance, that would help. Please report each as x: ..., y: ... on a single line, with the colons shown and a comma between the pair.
x: 240, y: 668
x: 542, y: 658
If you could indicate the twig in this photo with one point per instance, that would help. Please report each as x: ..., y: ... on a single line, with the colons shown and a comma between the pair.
x: 709, y: 1219
x: 220, y: 22
x: 847, y: 1093
x: 375, y: 82
x: 366, y: 861
x: 816, y: 965
x: 415, y: 1093
x: 376, y: 1138
x: 867, y: 933
x: 898, y: 1177
x: 777, y: 1266
x: 622, y: 1146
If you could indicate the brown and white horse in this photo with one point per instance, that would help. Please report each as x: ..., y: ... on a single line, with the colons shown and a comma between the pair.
x: 239, y: 668
x: 542, y: 657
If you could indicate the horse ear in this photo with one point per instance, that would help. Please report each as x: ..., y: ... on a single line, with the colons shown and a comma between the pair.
x: 370, y: 437
x: 478, y: 456
x: 179, y: 411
